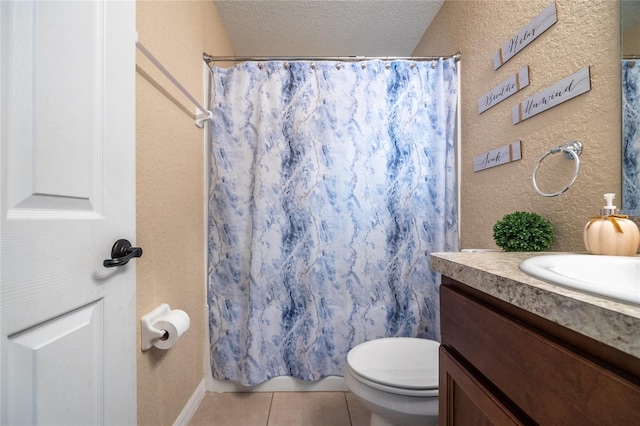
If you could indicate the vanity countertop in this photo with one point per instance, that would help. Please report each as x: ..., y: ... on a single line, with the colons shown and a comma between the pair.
x: 498, y: 274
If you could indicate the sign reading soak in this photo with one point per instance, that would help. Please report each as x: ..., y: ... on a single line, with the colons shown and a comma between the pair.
x: 526, y: 35
x: 572, y: 86
x: 497, y: 157
x: 505, y: 89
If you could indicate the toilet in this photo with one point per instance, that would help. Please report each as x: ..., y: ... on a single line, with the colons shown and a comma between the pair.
x: 396, y: 378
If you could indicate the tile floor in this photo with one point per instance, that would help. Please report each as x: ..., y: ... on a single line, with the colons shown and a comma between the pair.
x: 280, y: 409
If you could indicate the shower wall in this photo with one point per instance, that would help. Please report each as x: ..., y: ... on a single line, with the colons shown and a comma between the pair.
x: 586, y: 34
x: 171, y: 196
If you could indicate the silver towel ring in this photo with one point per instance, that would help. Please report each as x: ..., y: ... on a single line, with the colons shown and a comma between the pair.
x: 571, y: 150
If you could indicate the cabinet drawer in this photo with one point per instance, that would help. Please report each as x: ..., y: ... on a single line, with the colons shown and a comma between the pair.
x: 549, y: 382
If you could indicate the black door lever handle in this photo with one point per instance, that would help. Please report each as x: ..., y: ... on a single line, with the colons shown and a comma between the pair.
x: 122, y: 253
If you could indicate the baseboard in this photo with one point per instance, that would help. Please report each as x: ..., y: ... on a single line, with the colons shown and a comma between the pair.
x: 192, y: 405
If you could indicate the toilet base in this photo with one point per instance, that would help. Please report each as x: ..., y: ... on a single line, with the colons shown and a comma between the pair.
x: 377, y: 420
x: 394, y: 410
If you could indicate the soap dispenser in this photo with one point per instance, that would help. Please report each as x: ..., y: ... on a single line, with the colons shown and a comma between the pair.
x: 611, y: 233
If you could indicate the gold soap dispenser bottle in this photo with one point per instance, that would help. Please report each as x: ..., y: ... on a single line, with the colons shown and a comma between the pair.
x: 611, y: 233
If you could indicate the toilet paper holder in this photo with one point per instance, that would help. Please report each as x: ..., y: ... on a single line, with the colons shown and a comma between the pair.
x: 150, y: 334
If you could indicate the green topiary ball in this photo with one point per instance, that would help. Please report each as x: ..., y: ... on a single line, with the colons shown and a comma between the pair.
x: 523, y: 231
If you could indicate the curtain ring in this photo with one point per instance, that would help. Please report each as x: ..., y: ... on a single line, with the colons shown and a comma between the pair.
x: 571, y: 150
x: 338, y: 66
x: 286, y: 65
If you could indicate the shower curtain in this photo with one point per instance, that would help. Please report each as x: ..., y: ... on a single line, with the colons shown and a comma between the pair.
x: 631, y: 136
x: 330, y: 185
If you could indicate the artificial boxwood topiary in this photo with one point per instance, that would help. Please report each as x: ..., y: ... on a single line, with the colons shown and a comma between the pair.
x: 523, y: 231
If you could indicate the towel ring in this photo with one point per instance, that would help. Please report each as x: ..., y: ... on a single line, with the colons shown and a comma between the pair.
x: 571, y: 150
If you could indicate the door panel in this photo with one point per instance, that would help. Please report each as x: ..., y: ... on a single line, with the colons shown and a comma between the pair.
x: 67, y: 193
x: 66, y: 114
x: 36, y: 377
x: 54, y: 121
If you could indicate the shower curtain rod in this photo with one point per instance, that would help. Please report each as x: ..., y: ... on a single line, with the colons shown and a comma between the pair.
x: 209, y: 58
x: 200, y: 119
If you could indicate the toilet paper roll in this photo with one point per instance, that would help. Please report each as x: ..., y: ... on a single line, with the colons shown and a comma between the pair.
x: 175, y: 323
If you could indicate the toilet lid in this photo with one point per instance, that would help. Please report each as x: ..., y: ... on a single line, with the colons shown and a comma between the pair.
x: 404, y: 362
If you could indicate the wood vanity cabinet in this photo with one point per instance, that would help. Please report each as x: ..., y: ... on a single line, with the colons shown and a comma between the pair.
x: 501, y: 365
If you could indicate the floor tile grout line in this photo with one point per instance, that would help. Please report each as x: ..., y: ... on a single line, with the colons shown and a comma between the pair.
x: 269, y: 413
x: 344, y: 394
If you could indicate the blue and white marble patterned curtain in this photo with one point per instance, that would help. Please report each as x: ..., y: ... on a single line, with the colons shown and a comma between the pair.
x: 631, y: 136
x: 330, y: 185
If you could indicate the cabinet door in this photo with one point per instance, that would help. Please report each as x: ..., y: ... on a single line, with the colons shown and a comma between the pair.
x: 465, y: 401
x: 545, y: 378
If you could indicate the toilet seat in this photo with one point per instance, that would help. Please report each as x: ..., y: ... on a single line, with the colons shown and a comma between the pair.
x: 400, y: 365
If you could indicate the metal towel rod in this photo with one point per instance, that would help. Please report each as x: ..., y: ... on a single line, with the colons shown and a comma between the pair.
x: 200, y: 119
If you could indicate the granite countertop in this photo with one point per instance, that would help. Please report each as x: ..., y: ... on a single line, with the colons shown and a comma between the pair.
x: 613, y: 323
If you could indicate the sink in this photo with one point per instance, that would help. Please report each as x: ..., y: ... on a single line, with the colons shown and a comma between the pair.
x: 614, y: 277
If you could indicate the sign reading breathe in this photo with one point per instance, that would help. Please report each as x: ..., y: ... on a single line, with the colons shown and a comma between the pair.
x: 505, y: 89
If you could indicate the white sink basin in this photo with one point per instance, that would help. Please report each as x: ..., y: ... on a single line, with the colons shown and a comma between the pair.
x: 614, y: 277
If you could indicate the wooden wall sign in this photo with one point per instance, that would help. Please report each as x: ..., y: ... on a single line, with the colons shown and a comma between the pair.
x: 526, y: 35
x: 572, y: 86
x: 505, y: 89
x: 498, y: 157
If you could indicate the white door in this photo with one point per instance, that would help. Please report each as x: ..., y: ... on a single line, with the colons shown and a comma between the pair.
x: 67, y: 193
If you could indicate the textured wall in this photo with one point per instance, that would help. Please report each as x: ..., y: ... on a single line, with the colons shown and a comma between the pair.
x: 586, y: 34
x: 170, y: 195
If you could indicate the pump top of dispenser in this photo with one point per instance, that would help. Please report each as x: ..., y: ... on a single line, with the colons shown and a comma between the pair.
x: 609, y: 209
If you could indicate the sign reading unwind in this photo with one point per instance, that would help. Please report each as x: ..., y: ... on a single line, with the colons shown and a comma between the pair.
x: 572, y: 86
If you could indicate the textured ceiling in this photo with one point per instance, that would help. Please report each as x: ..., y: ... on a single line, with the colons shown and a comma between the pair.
x: 326, y: 27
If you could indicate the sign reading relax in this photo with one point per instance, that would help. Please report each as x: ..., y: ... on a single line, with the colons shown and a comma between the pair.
x: 526, y: 35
